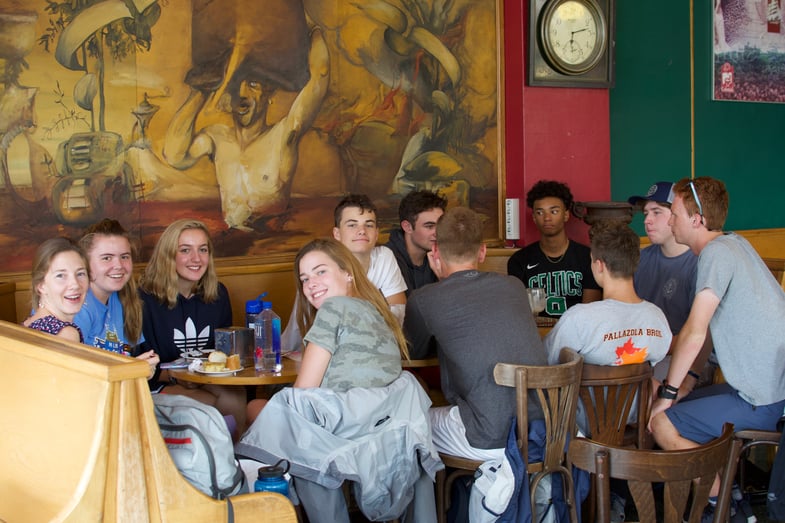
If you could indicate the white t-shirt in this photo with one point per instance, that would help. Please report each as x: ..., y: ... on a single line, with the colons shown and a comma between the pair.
x: 384, y: 272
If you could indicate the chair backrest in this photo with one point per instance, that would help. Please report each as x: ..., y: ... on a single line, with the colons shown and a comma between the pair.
x: 686, y: 474
x: 609, y: 394
x: 555, y: 388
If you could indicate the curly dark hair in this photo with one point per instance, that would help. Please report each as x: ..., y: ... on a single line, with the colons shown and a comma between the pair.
x: 419, y: 201
x: 549, y: 188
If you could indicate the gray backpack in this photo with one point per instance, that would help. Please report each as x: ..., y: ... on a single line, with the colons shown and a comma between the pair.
x: 200, y: 445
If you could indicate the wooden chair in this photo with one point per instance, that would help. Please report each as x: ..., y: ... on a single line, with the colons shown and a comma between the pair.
x: 608, y: 395
x: 686, y: 474
x: 744, y: 440
x: 555, y: 388
x: 80, y: 442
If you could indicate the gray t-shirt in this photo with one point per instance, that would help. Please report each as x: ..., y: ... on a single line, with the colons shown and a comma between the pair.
x: 474, y: 320
x: 364, y: 350
x: 668, y: 283
x: 610, y: 332
x: 748, y: 327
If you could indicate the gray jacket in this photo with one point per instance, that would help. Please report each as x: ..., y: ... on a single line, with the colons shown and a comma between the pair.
x: 376, y: 437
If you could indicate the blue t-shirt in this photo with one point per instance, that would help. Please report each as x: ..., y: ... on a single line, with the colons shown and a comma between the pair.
x: 669, y: 283
x: 102, y: 325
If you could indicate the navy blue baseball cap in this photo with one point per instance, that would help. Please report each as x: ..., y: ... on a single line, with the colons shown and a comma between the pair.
x: 660, y: 192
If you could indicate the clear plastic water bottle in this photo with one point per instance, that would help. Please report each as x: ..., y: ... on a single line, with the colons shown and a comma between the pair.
x: 267, y: 352
x: 271, y: 479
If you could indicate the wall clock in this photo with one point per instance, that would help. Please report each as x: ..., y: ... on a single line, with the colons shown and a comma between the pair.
x: 571, y: 43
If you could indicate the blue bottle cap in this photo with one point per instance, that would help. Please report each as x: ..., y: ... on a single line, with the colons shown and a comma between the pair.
x: 253, y: 307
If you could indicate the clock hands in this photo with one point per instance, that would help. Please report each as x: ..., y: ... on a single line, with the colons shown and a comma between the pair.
x: 572, y: 43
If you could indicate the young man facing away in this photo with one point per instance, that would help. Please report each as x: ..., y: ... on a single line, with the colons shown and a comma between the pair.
x: 621, y: 328
x: 667, y: 270
x: 413, y: 240
x: 740, y: 301
x: 555, y: 263
x: 473, y: 320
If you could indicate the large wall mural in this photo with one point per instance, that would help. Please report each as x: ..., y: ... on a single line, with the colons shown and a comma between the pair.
x: 254, y: 116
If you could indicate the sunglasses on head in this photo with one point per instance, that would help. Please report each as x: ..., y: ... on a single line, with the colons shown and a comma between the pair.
x: 697, y: 200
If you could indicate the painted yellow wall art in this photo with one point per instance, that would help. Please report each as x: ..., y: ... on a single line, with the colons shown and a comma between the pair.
x: 254, y: 116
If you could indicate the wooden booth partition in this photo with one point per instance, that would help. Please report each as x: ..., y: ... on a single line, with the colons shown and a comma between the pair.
x: 246, y: 277
x: 8, y: 301
x: 80, y: 442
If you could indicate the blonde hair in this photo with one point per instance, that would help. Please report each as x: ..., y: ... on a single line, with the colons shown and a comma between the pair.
x: 160, y: 277
x: 459, y: 234
x: 128, y: 295
x: 42, y: 261
x: 361, y: 288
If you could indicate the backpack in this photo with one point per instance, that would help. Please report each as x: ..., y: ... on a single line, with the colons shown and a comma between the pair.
x: 200, y: 445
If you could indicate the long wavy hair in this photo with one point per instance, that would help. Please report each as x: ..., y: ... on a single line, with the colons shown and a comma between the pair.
x: 44, y: 255
x: 129, y: 296
x: 160, y: 277
x: 361, y: 287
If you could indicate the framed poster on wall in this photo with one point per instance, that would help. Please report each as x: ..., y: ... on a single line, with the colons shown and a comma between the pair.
x: 152, y: 110
x: 749, y: 51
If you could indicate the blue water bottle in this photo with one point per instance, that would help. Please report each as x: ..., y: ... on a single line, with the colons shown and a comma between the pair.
x: 271, y: 479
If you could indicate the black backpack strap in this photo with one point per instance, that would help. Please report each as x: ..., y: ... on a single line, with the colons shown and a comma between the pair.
x: 229, y: 511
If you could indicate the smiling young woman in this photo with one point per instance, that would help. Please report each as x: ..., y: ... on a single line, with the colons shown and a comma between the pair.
x: 183, y: 304
x: 60, y: 279
x: 111, y: 317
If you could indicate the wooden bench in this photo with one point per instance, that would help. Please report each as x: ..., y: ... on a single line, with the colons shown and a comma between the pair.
x: 80, y: 442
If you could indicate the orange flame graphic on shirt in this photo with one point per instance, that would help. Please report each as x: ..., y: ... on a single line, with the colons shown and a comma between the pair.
x: 628, y: 354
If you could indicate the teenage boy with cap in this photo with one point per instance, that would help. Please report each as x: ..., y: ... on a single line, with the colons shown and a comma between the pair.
x: 666, y: 272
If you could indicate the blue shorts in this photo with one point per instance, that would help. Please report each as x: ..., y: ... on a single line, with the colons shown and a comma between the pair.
x: 700, y: 416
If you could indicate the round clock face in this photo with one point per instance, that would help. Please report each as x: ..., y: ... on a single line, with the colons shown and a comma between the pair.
x: 573, y: 35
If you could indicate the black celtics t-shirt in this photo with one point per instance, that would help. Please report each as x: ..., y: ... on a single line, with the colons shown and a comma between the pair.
x: 564, y: 279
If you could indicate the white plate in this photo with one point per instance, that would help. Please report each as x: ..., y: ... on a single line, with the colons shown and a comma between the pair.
x: 196, y: 354
x: 226, y: 372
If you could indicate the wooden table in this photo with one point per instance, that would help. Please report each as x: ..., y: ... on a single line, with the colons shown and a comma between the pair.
x: 247, y: 376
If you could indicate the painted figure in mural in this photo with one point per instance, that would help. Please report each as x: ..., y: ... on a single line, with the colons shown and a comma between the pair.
x: 254, y: 161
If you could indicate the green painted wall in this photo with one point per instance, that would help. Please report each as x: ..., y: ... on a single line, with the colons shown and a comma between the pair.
x: 741, y: 143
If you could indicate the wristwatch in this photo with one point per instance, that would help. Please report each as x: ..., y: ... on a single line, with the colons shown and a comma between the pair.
x: 667, y: 392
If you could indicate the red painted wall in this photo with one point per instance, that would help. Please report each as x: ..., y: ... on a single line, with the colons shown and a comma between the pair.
x: 551, y: 133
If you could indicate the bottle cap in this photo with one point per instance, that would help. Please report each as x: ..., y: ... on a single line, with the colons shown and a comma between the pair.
x: 267, y: 305
x: 274, y: 471
x: 253, y: 307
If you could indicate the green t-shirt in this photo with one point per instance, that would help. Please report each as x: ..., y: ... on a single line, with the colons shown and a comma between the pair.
x: 364, y: 350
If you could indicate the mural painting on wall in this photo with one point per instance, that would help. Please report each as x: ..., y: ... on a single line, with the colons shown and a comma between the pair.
x: 749, y: 51
x: 256, y: 117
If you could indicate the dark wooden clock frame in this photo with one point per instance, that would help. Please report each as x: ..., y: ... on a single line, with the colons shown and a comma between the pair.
x: 539, y: 71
